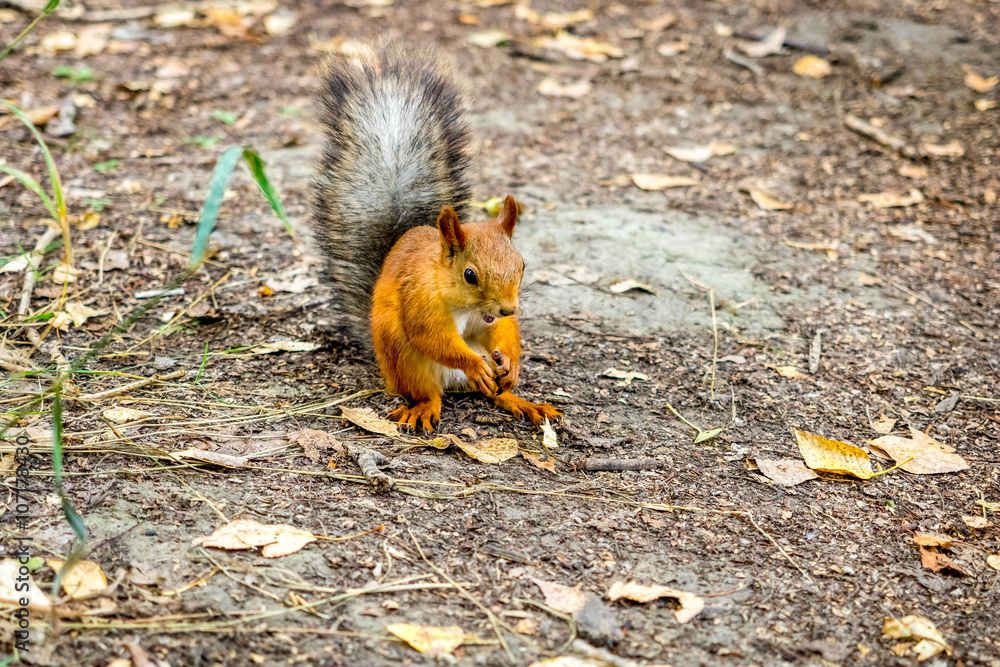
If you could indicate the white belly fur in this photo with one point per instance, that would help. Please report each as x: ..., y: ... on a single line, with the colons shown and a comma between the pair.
x: 469, y: 324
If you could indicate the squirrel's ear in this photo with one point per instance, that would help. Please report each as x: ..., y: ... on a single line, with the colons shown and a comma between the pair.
x: 508, y: 216
x: 452, y: 234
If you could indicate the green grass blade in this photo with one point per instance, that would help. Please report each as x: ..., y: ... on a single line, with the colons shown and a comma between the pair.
x: 74, y: 519
x: 256, y: 166
x: 50, y: 164
x: 32, y: 185
x: 48, y: 9
x: 213, y: 200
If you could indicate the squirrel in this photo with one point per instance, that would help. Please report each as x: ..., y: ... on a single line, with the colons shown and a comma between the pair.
x: 437, y: 298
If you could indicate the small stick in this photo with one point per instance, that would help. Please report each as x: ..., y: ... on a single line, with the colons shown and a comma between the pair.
x: 743, y: 61
x: 798, y: 46
x: 31, y: 272
x: 618, y: 465
x: 100, y: 263
x: 815, y: 350
x: 879, y: 135
x: 101, y: 395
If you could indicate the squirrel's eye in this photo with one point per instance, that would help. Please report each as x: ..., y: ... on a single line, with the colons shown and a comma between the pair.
x: 470, y: 277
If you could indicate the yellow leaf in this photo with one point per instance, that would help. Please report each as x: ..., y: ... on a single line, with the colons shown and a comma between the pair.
x: 789, y: 372
x: 427, y: 639
x: 993, y: 561
x: 978, y: 83
x: 786, y: 472
x: 691, y: 604
x: 536, y: 459
x: 661, y: 181
x: 928, y: 456
x: 767, y: 202
x: 84, y: 579
x: 812, y: 66
x: 833, y: 456
x: 496, y: 450
x: 929, y: 640
x: 580, y: 48
x: 369, y: 420
x: 276, y: 539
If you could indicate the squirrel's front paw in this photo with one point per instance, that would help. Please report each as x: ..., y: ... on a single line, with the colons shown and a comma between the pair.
x: 425, y: 414
x: 481, y: 377
x: 507, y: 371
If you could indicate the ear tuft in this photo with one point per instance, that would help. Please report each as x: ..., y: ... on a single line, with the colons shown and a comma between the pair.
x: 508, y: 216
x: 452, y: 234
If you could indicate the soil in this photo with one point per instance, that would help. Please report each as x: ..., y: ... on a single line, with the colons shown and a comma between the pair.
x: 900, y: 304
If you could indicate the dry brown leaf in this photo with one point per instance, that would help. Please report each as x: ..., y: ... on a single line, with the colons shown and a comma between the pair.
x: 993, y: 561
x: 557, y: 21
x: 812, y: 66
x: 833, y: 456
x: 929, y: 457
x: 276, y: 539
x: 224, y: 460
x: 622, y: 286
x: 917, y: 628
x: 548, y: 463
x: 433, y: 641
x: 935, y: 561
x: 369, y: 420
x: 669, y: 49
x: 768, y: 46
x: 690, y: 604
x: 83, y: 580
x: 883, y: 424
x: 496, y: 450
x: 978, y: 83
x: 786, y: 472
x: 312, y: 441
x: 657, y: 24
x: 549, y: 438
x: 931, y: 539
x: 662, y: 181
x: 284, y: 346
x: 580, y: 48
x: 561, y: 598
x: 892, y: 200
x: 120, y: 415
x: 953, y: 149
x: 768, y: 202
x: 43, y: 115
x: 699, y: 153
x: 789, y: 372
x: 977, y: 522
x: 552, y: 88
x: 75, y: 313
x: 626, y: 377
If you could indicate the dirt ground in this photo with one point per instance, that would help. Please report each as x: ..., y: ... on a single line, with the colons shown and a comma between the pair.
x: 829, y: 314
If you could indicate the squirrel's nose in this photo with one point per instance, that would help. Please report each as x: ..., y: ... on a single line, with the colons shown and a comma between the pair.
x: 507, y: 312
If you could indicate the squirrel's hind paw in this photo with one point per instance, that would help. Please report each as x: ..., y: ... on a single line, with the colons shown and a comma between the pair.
x: 536, y: 413
x: 425, y: 414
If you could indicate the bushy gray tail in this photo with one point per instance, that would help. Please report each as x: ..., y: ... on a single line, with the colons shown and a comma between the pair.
x: 396, y: 151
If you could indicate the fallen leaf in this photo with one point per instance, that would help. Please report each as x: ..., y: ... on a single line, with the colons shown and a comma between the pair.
x: 827, y: 455
x: 556, y: 21
x: 276, y: 539
x: 656, y: 25
x: 993, y: 561
x: 548, y: 463
x: 708, y: 435
x: 812, y: 66
x: 549, y: 438
x: 786, y: 472
x: 561, y: 598
x: 993, y: 507
x: 173, y: 17
x: 883, y: 425
x: 43, y: 115
x: 912, y: 233
x: 626, y: 377
x: 977, y: 522
x: 768, y: 202
x: 953, y: 149
x: 892, y: 200
x: 768, y: 46
x: 295, y: 285
x: 669, y: 49
x: 935, y: 561
x: 279, y: 23
x: 496, y: 450
x: 985, y: 105
x: 789, y: 372
x: 931, y: 539
x: 918, y: 628
x: 369, y: 420
x: 224, y: 460
x: 120, y: 415
x: 83, y: 579
x: 552, y: 88
x: 284, y: 346
x: 580, y: 48
x: 16, y: 265
x: 978, y: 83
x: 488, y: 39
x: 56, y: 42
x: 690, y: 604
x: 662, y: 181
x: 433, y: 641
x: 929, y: 456
x: 620, y: 286
x: 312, y: 441
x: 699, y: 153
x: 92, y: 40
x: 526, y: 626
x: 913, y: 171
x: 74, y: 312
x: 11, y: 581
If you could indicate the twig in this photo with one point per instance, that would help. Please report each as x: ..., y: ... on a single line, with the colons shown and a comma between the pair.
x: 784, y: 553
x: 879, y: 135
x: 936, y: 307
x: 743, y: 61
x: 101, y: 395
x: 715, y: 334
x: 618, y: 465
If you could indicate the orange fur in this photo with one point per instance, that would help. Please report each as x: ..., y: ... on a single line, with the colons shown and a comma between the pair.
x: 422, y: 297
